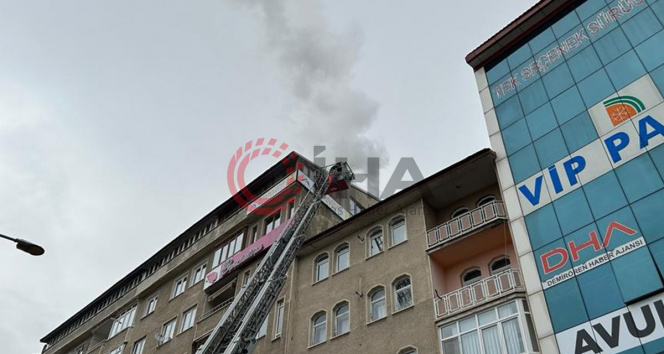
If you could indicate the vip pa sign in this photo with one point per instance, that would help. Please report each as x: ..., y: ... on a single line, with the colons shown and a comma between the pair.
x: 629, y: 123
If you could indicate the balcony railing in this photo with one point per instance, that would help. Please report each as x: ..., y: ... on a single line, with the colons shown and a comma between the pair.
x: 485, y: 290
x: 216, y: 309
x: 466, y: 223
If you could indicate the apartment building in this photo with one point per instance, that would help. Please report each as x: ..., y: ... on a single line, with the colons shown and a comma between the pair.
x: 572, y: 93
x: 430, y: 269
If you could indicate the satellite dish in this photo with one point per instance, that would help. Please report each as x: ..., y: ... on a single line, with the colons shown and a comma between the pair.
x: 159, y: 337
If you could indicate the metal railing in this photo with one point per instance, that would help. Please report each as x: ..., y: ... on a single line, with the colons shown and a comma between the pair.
x: 466, y: 223
x: 216, y: 309
x: 477, y: 293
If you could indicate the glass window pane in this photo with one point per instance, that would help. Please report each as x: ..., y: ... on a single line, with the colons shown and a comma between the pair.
x: 648, y: 213
x: 542, y: 226
x: 487, y: 317
x: 524, y: 163
x: 605, y: 195
x: 584, y: 64
x: 625, y: 70
x: 641, y: 27
x: 600, y: 291
x: 568, y: 105
x: 565, y: 24
x: 651, y: 51
x: 542, y: 40
x: 516, y: 137
x: 533, y: 97
x: 470, y: 343
x: 497, y: 72
x: 449, y: 330
x: 542, y: 121
x: 509, y: 112
x: 658, y: 77
x: 579, y: 132
x: 513, y: 339
x: 612, y: 45
x: 558, y: 80
x: 566, y: 306
x: 507, y: 310
x: 594, y: 88
x: 572, y: 211
x: 452, y: 346
x: 589, y: 8
x: 636, y: 274
x: 467, y: 324
x: 551, y: 148
x: 521, y: 55
x: 639, y: 178
x: 491, y: 340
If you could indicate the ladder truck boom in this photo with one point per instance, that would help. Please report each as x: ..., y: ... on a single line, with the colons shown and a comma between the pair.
x: 236, y: 331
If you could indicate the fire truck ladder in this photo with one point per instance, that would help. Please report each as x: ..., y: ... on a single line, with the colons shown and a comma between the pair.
x: 236, y: 331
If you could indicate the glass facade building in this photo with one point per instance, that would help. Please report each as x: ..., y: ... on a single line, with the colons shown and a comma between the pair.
x: 575, y: 111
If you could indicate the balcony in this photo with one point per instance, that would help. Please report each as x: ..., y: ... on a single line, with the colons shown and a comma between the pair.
x: 466, y: 223
x: 216, y: 309
x: 485, y: 290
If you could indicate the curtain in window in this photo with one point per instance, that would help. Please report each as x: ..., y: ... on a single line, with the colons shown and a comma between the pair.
x: 491, y: 339
x: 451, y: 346
x: 470, y: 343
x: 513, y: 340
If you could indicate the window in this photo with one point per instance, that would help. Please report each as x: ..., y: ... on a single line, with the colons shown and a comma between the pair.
x: 199, y: 273
x: 498, y: 330
x: 459, y: 212
x: 117, y: 350
x: 342, y: 257
x: 233, y: 246
x: 499, y: 265
x: 291, y: 208
x: 471, y: 276
x: 377, y: 307
x: 262, y: 331
x: 318, y: 329
x: 486, y: 200
x: 403, y: 294
x: 139, y: 345
x: 188, y: 319
x: 272, y: 222
x: 376, y: 242
x: 247, y: 276
x: 279, y: 319
x: 152, y: 305
x: 179, y: 286
x: 398, y: 230
x: 253, y: 236
x: 167, y: 332
x: 322, y: 267
x: 123, y: 321
x: 409, y: 350
x: 355, y: 207
x: 80, y: 350
x: 341, y: 319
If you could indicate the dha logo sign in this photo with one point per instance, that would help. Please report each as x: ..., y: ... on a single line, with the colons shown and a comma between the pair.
x: 626, y: 328
x: 559, y: 257
x: 621, y: 109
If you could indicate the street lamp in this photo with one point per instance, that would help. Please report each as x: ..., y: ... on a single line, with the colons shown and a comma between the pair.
x: 25, y: 246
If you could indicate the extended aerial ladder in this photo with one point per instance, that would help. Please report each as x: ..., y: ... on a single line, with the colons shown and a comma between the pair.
x: 236, y: 331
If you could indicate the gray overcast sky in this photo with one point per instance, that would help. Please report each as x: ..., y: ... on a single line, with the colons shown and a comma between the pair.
x: 118, y: 118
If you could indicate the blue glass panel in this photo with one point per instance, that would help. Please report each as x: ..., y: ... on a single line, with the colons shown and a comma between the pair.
x: 641, y: 27
x: 565, y: 305
x: 584, y: 64
x: 594, y: 88
x: 595, y: 23
x: 658, y: 8
x: 639, y: 178
x: 519, y: 57
x: 648, y: 213
x: 627, y: 9
x: 551, y: 148
x: 568, y: 105
x: 579, y: 131
x: 542, y: 226
x: 574, y: 42
x: 524, y: 164
x: 600, y: 291
x: 636, y: 274
x: 565, y: 24
x: 549, y: 58
x: 605, y: 195
x: 658, y: 77
x: 558, y: 80
x: 497, y: 72
x: 625, y: 231
x: 502, y: 90
x: 573, y: 211
x: 635, y: 350
x: 657, y: 155
x: 549, y: 259
x: 612, y: 45
x: 657, y: 252
x: 579, y: 253
x: 651, y: 51
x: 542, y: 121
x: 533, y: 97
x: 626, y: 69
x: 516, y: 136
x: 589, y: 8
x: 509, y: 112
x: 656, y: 346
x: 542, y: 40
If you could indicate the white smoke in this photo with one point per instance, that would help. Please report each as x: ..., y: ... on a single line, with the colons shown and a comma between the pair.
x: 317, y: 65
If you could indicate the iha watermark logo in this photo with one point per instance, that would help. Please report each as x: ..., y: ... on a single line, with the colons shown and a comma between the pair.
x: 267, y: 202
x: 235, y: 176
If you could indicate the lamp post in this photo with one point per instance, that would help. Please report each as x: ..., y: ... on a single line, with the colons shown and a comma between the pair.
x: 25, y: 246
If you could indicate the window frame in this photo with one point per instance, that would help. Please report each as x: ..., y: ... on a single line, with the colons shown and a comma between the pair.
x: 391, y: 224
x: 313, y: 325
x: 117, y: 350
x: 370, y: 294
x: 279, y: 313
x: 191, y: 310
x: 376, y: 232
x: 262, y: 330
x: 165, y: 340
x: 396, y: 297
x: 465, y: 283
x: 203, y: 267
x: 270, y: 221
x: 136, y: 343
x: 183, y: 278
x: 408, y: 350
x: 501, y: 269
x: 319, y: 259
x: 147, y: 308
x: 458, y: 212
x: 337, y: 253
x: 489, y: 198
x: 336, y: 317
x: 118, y: 324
